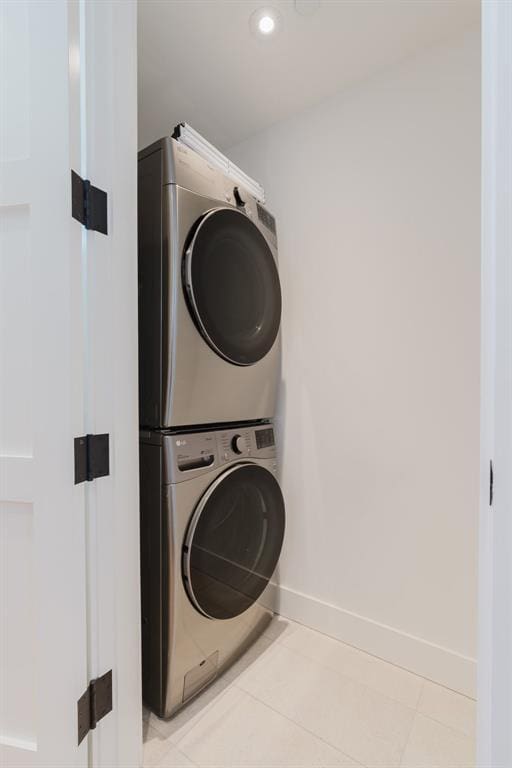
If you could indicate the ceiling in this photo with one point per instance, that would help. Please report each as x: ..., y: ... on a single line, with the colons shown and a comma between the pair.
x: 199, y: 61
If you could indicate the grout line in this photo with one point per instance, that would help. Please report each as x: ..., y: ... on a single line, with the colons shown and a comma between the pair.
x: 456, y: 731
x: 346, y: 676
x: 171, y: 745
x: 302, y: 727
x: 441, y: 722
x: 422, y: 690
x: 451, y: 690
x: 186, y: 757
x: 373, y: 659
x: 233, y: 683
x: 200, y: 714
x: 379, y: 658
x: 423, y: 680
x: 408, y: 738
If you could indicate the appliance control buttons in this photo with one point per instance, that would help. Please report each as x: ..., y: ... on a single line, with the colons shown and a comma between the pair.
x: 238, y: 444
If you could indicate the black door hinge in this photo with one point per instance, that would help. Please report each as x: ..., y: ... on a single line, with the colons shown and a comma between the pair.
x: 88, y: 204
x: 91, y: 457
x: 491, y: 483
x: 94, y: 703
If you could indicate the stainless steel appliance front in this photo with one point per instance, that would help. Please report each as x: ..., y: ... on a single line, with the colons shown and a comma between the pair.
x: 209, y: 294
x: 212, y: 526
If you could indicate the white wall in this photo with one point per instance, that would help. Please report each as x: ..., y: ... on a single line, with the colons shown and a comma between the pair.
x: 377, y: 195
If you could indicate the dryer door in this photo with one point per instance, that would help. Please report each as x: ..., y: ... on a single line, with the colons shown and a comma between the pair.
x: 234, y: 541
x: 232, y: 286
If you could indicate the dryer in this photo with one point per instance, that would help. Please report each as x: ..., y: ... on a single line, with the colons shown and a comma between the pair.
x: 209, y: 294
x: 212, y: 527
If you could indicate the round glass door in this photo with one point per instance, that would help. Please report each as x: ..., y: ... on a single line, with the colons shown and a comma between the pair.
x: 234, y: 541
x: 232, y: 286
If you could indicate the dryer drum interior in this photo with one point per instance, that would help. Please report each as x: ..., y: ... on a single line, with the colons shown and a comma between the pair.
x: 234, y: 541
x: 232, y: 286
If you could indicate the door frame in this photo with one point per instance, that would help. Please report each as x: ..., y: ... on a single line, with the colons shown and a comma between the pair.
x: 494, y: 736
x: 495, y: 537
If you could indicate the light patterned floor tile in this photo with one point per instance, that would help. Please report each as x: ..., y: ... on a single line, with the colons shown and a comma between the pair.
x: 174, y: 758
x: 449, y: 708
x: 299, y: 698
x: 241, y: 732
x: 388, y: 679
x: 252, y: 655
x: 359, y: 721
x: 155, y: 746
x: 186, y: 718
x: 280, y: 628
x: 432, y: 745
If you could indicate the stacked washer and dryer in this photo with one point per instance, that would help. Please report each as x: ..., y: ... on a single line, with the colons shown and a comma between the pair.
x: 212, y: 512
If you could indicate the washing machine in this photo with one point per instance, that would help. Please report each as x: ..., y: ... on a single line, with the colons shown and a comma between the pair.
x: 212, y: 527
x: 209, y: 294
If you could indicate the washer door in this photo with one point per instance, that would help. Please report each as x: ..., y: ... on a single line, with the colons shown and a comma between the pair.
x: 232, y: 286
x: 234, y: 541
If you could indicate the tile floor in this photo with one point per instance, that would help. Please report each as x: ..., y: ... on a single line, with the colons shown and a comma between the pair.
x: 300, y: 699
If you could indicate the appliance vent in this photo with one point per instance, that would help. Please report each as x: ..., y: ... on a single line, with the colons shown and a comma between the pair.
x: 199, y: 676
x: 266, y: 218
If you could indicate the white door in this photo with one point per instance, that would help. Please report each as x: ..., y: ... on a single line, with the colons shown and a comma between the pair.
x: 109, y: 70
x: 69, y: 573
x: 43, y: 659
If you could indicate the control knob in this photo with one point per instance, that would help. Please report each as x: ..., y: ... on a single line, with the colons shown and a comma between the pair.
x: 238, y: 444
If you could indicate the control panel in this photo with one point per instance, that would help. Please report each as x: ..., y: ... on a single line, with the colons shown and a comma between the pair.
x: 264, y: 438
x: 193, y: 453
x: 246, y: 442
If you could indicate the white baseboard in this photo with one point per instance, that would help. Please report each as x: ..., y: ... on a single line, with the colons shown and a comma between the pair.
x: 426, y: 659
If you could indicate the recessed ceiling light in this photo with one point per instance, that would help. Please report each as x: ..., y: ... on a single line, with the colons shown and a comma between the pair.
x: 265, y: 22
x: 266, y: 25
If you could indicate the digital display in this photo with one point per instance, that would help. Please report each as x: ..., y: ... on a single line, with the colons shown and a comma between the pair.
x: 265, y: 438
